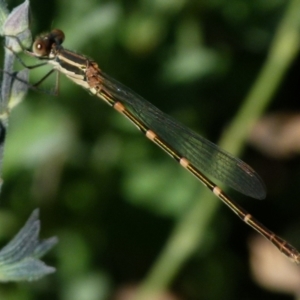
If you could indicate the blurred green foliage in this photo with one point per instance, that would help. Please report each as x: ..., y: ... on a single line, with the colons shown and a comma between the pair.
x: 111, y: 196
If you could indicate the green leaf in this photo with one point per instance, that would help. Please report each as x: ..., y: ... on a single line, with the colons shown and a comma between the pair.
x: 19, y: 258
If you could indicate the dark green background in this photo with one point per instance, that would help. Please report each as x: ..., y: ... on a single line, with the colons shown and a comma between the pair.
x: 110, y: 195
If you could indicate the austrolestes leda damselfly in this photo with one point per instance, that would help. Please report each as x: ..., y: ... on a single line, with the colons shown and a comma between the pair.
x: 189, y: 149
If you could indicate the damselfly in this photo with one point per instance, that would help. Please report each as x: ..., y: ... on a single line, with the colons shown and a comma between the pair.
x: 192, y: 151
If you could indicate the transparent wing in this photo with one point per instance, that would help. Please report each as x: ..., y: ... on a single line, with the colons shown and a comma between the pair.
x: 203, y: 154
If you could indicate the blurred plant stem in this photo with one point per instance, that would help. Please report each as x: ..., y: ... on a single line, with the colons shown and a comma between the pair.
x: 189, y: 232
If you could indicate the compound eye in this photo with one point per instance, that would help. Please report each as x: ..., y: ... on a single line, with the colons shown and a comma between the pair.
x: 58, y: 36
x: 41, y: 47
